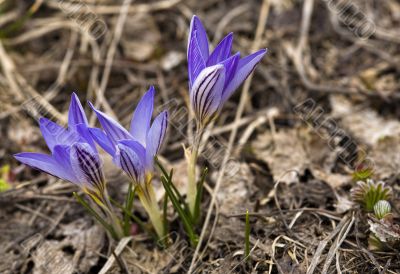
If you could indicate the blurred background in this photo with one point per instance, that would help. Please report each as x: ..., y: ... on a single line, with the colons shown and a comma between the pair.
x: 343, y: 55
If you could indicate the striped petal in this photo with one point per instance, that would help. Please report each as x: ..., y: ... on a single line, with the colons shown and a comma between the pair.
x: 141, y: 119
x: 130, y: 160
x: 196, y: 60
x: 244, y: 68
x: 221, y: 51
x: 206, y: 93
x: 112, y: 128
x: 86, y: 164
x: 155, y: 137
x: 76, y: 114
x: 135, y: 146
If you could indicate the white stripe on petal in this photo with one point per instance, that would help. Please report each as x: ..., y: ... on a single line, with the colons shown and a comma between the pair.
x: 206, y: 93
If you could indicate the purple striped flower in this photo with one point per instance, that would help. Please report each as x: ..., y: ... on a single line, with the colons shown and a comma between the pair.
x: 213, y: 77
x: 73, y: 156
x: 134, y: 150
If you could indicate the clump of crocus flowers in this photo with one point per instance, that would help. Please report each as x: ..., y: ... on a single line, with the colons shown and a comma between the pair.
x: 134, y: 151
x: 213, y: 77
x: 74, y: 158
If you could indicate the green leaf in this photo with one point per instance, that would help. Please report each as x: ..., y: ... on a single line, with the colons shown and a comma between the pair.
x: 128, y: 208
x: 199, y: 196
x: 92, y: 212
x: 175, y: 191
x: 178, y: 203
x: 181, y: 212
x: 19, y: 23
x: 247, y: 236
x: 165, y: 208
x: 135, y: 218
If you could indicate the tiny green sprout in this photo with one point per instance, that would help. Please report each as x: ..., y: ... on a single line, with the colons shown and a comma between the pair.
x: 368, y: 193
x: 382, y: 208
x: 247, y: 236
x: 362, y: 173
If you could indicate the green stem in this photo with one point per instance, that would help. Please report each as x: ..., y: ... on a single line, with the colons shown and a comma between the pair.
x: 165, y: 220
x: 247, y: 236
x: 148, y: 199
x: 192, y: 182
x: 96, y: 215
x: 115, y: 221
x: 199, y: 195
x: 174, y: 190
x: 134, y: 218
x: 186, y: 220
x: 128, y: 208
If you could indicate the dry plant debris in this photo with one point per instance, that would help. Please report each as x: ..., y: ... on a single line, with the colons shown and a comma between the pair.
x: 294, y: 182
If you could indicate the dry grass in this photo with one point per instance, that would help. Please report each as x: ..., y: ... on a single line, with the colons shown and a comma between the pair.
x: 300, y: 221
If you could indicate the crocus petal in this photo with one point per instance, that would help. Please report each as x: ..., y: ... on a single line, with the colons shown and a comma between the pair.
x: 135, y: 146
x: 141, y: 119
x: 206, y: 93
x: 76, y: 114
x: 87, y: 166
x: 83, y: 131
x: 102, y: 139
x: 55, y: 134
x: 230, y: 65
x: 201, y: 37
x: 130, y: 162
x: 221, y: 51
x: 245, y: 67
x: 112, y: 128
x: 155, y: 137
x: 42, y: 162
x: 61, y: 156
x: 196, y: 61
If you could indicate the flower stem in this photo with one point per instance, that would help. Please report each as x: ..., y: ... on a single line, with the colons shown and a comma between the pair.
x: 128, y: 207
x: 102, y: 199
x: 115, y: 221
x: 192, y: 180
x: 247, y: 237
x: 96, y: 215
x: 148, y: 199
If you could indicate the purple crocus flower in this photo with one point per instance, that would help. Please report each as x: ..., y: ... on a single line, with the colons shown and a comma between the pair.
x: 214, y: 77
x: 73, y: 156
x: 134, y: 150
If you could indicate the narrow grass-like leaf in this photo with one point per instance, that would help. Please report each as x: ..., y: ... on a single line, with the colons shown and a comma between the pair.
x: 200, y: 187
x: 178, y: 203
x: 182, y: 201
x: 175, y: 191
x: 128, y: 206
x: 18, y: 24
x: 247, y: 237
x: 165, y: 221
x: 135, y: 218
x: 165, y: 208
x: 91, y: 211
x: 182, y: 214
